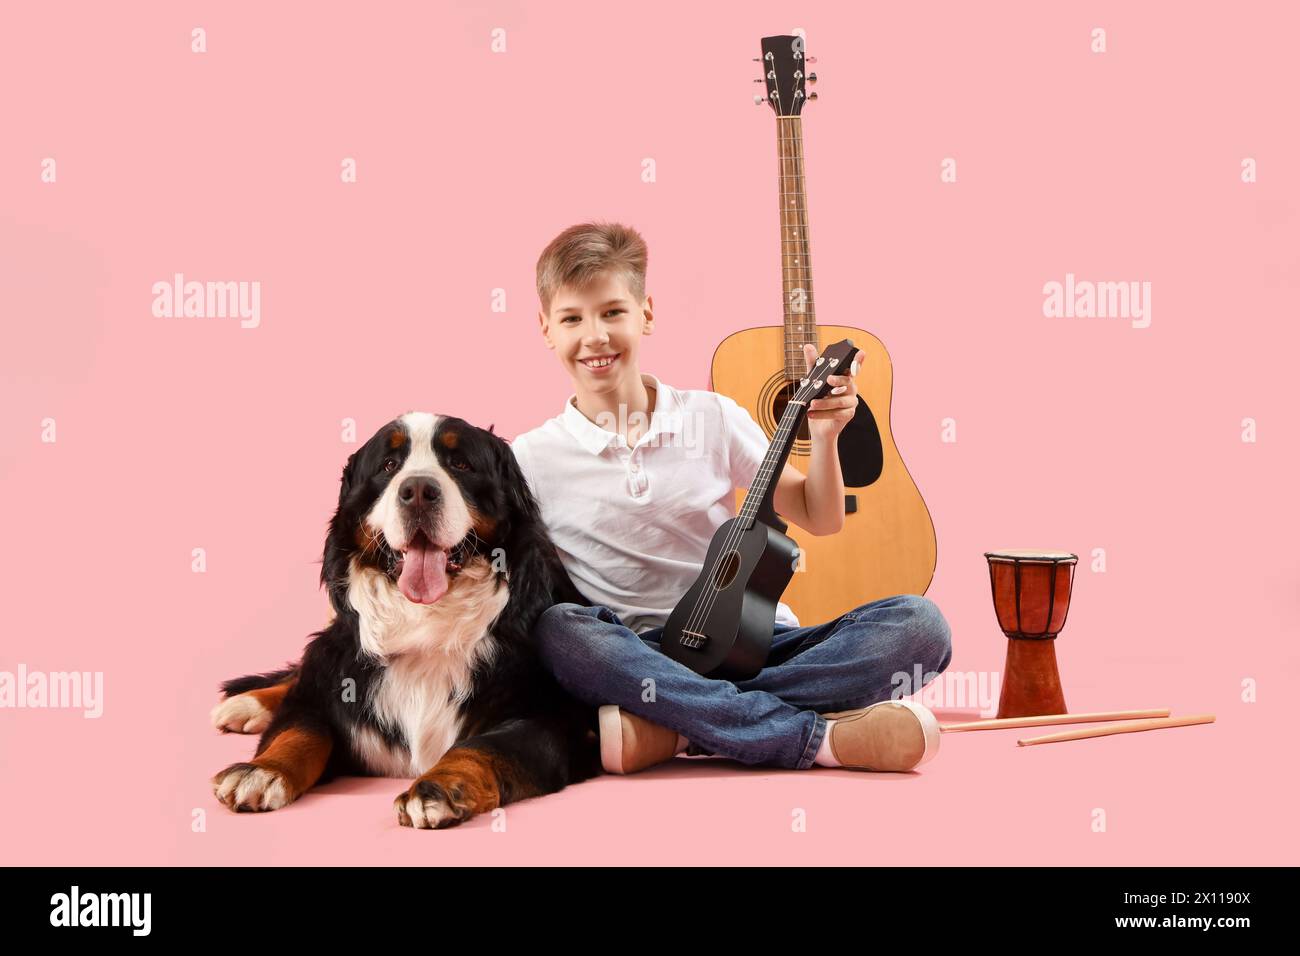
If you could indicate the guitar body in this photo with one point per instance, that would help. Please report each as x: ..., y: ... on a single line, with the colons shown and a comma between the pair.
x: 887, y: 545
x: 722, y: 626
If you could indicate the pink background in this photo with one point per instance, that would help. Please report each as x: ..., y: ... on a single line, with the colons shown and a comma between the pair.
x: 1072, y: 433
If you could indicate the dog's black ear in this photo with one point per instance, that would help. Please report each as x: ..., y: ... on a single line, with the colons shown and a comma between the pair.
x: 532, y: 565
x: 349, y: 475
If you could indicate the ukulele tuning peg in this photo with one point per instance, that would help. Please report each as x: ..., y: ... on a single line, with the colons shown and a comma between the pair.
x: 758, y: 100
x: 812, y: 96
x: 812, y: 77
x: 810, y: 59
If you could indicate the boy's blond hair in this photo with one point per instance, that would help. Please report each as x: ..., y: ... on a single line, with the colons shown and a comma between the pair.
x: 584, y: 252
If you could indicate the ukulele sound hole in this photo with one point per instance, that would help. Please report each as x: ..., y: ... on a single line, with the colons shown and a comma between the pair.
x: 726, y: 572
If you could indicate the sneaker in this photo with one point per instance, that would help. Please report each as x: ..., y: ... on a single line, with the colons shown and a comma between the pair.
x: 890, y: 735
x: 629, y: 743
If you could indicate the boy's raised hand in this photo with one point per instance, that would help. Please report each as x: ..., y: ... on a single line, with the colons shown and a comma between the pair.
x: 828, y: 416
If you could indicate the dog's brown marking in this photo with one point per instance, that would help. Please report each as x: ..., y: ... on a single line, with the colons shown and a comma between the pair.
x: 272, y: 697
x: 449, y: 438
x: 465, y: 782
x: 396, y: 438
x: 483, y: 526
x: 298, y: 756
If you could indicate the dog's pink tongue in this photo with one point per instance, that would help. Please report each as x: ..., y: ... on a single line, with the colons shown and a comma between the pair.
x: 424, y: 574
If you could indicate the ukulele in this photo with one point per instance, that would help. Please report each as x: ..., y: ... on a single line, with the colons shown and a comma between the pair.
x: 887, y: 545
x: 723, y: 626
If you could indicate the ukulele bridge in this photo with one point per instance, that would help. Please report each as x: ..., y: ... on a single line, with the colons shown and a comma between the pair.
x: 693, y: 639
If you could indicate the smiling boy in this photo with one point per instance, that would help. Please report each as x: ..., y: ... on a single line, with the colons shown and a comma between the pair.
x: 633, y: 477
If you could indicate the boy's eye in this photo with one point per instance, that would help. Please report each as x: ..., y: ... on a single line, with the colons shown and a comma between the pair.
x: 610, y: 312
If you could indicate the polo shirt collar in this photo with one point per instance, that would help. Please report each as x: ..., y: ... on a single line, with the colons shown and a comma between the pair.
x: 593, y: 438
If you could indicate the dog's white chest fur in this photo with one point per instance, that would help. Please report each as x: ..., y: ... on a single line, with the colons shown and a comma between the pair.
x: 431, y: 650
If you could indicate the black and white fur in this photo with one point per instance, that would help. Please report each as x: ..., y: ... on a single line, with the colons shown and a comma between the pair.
x: 450, y: 693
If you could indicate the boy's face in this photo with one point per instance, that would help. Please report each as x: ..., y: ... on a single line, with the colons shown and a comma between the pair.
x: 597, y: 322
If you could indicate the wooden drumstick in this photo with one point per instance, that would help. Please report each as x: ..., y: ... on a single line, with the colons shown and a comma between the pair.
x: 1132, y: 726
x: 1044, y: 720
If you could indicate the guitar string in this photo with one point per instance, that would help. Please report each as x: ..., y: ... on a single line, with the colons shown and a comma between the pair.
x: 796, y: 153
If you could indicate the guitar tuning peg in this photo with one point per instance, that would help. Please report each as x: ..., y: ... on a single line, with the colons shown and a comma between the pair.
x: 758, y: 100
x: 812, y: 96
x: 812, y: 77
x: 810, y: 59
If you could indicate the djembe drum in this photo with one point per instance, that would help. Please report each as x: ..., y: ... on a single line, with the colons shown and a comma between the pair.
x: 1031, y: 595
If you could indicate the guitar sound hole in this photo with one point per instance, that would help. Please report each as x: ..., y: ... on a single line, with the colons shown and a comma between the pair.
x: 780, y: 401
x: 726, y: 572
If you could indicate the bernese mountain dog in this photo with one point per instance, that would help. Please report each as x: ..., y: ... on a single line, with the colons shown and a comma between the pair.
x: 437, y: 566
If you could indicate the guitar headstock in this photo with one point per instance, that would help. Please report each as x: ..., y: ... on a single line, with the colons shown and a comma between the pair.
x: 836, y: 360
x: 785, y: 74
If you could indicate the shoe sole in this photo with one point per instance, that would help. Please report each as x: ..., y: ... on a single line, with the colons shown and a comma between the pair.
x: 929, y: 726
x: 611, y: 739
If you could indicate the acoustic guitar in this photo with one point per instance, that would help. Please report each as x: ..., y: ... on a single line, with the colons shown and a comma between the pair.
x: 887, y: 545
x: 723, y: 626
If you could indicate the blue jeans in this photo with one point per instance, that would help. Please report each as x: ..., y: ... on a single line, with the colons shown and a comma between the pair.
x: 773, y: 718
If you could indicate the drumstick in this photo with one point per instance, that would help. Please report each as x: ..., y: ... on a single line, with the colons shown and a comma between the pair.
x: 1132, y: 726
x: 1046, y: 719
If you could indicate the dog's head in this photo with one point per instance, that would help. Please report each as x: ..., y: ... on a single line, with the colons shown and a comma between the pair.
x: 423, y: 497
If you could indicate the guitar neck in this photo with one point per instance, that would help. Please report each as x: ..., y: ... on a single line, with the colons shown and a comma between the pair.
x: 798, y: 310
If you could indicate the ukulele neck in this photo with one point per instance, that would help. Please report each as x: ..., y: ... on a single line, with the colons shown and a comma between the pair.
x: 800, y: 315
x: 758, y: 499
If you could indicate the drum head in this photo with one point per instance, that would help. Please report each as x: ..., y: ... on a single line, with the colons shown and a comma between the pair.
x: 1041, y: 557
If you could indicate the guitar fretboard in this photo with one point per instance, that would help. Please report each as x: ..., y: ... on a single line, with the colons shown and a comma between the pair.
x: 798, y: 311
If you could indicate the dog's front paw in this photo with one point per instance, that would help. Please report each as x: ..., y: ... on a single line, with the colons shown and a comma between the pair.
x: 432, y: 805
x: 246, y: 787
x: 241, y: 714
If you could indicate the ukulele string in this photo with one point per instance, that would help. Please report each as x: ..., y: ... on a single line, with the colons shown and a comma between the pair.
x: 749, y: 509
x: 704, y: 603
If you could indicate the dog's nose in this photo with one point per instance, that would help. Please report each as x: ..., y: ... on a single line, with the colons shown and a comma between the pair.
x: 419, y: 490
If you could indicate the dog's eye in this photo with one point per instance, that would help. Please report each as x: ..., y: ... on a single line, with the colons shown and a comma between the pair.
x: 460, y: 464
x: 390, y: 464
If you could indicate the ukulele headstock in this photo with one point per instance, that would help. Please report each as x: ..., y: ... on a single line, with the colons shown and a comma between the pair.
x: 836, y: 360
x: 785, y: 74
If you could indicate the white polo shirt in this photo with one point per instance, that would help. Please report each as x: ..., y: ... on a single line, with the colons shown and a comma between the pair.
x: 632, y: 525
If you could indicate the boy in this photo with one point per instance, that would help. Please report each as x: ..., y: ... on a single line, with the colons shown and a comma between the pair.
x: 632, y: 507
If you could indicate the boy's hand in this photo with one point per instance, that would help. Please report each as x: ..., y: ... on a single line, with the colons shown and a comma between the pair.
x: 828, y: 416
